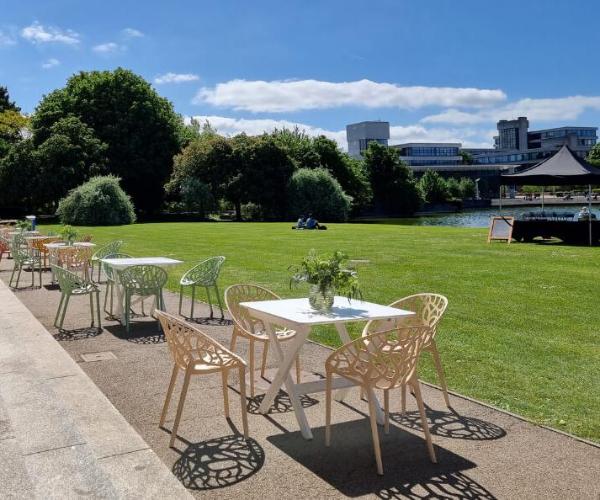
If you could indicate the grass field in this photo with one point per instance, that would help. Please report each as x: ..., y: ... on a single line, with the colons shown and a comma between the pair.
x: 522, y: 328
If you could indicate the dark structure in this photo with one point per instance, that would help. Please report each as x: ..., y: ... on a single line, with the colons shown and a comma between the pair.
x: 562, y: 169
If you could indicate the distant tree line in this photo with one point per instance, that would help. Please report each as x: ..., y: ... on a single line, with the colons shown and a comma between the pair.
x: 113, y: 123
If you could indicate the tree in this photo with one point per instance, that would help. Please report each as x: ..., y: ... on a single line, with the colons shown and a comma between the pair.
x: 468, y: 190
x: 317, y: 191
x: 141, y: 130
x: 69, y: 156
x: 19, y: 179
x: 299, y: 146
x: 5, y: 102
x: 12, y: 127
x: 467, y: 158
x: 394, y: 188
x: 593, y: 156
x: 453, y: 188
x: 433, y: 187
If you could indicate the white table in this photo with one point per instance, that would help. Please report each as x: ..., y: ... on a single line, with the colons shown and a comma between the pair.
x: 298, y: 315
x: 124, y: 263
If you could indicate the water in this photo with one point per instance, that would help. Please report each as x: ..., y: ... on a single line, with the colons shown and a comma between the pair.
x: 481, y: 217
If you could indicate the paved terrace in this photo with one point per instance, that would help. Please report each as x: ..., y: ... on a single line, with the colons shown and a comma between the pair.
x: 482, y: 452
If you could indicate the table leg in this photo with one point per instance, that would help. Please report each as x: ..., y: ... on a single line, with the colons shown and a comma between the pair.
x: 342, y: 393
x: 283, y: 376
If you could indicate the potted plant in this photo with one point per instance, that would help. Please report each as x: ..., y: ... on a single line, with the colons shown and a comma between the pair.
x: 23, y: 225
x: 326, y: 277
x: 68, y: 234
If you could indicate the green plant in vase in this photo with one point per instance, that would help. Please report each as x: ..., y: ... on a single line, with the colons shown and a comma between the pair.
x: 326, y: 277
x: 23, y: 225
x: 68, y: 234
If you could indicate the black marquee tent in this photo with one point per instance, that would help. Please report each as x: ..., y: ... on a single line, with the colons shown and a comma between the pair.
x: 564, y: 168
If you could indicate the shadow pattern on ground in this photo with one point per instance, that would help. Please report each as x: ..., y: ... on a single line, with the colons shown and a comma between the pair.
x: 209, y: 321
x: 77, y: 334
x: 218, y: 462
x: 281, y: 403
x: 141, y: 333
x: 451, y: 425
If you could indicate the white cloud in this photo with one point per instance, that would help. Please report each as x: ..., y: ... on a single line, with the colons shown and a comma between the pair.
x: 175, y: 78
x: 37, y: 33
x: 50, y: 63
x: 280, y: 96
x: 6, y: 39
x: 469, y: 137
x: 551, y: 109
x: 107, y: 48
x: 132, y: 33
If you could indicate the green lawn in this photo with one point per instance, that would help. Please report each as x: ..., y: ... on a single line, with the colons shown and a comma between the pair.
x: 522, y: 328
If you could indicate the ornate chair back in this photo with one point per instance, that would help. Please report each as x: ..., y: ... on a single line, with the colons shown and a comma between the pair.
x: 205, y: 273
x: 143, y: 280
x: 108, y: 249
x: 190, y: 346
x: 236, y: 294
x: 67, y: 280
x: 383, y: 360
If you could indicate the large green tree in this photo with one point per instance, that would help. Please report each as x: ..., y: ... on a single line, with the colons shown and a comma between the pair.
x: 434, y: 188
x: 141, y: 130
x: 394, y: 187
x: 5, y: 103
x: 593, y: 156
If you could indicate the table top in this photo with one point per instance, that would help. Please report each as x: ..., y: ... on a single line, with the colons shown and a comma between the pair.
x: 299, y: 311
x: 64, y: 245
x: 141, y: 261
x: 38, y: 237
x: 24, y: 233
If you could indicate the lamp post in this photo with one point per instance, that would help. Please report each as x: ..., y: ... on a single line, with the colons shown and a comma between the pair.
x: 477, y: 188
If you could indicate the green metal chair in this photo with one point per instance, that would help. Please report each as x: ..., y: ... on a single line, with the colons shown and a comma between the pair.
x: 71, y: 284
x: 102, y: 253
x: 110, y: 274
x: 22, y: 259
x: 205, y: 275
x: 144, y: 281
x: 4, y: 246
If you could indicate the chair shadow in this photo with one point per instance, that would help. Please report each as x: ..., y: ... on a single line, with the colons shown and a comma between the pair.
x: 450, y: 424
x: 139, y: 333
x: 52, y: 286
x: 210, y: 321
x: 77, y: 334
x: 349, y: 464
x: 218, y: 463
x: 281, y: 403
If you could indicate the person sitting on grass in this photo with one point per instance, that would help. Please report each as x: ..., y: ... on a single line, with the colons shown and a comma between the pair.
x: 312, y: 223
x: 301, y: 224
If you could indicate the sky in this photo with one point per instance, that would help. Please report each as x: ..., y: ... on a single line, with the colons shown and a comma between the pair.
x: 437, y: 70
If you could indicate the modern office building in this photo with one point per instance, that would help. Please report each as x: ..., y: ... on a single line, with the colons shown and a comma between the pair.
x: 430, y: 153
x: 516, y: 144
x: 359, y: 135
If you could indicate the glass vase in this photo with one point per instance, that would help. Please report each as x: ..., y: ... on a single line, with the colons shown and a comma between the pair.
x: 321, y: 299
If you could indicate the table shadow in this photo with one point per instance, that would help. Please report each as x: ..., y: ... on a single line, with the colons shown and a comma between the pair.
x: 349, y: 464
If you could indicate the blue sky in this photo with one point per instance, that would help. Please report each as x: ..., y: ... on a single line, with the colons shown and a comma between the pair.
x: 437, y: 70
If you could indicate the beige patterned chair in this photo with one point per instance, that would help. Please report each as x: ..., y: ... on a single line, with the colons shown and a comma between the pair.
x: 252, y: 329
x: 385, y: 360
x: 195, y: 353
x: 429, y: 309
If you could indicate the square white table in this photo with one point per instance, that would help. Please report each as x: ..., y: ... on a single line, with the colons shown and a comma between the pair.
x: 123, y: 263
x: 298, y: 315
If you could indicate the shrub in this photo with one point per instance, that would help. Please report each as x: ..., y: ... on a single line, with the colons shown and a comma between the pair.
x: 99, y: 202
x: 433, y: 187
x: 316, y: 191
x: 467, y: 188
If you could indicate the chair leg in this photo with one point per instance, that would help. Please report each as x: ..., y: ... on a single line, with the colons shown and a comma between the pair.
x: 92, y: 307
x: 193, y: 301
x: 127, y: 312
x: 375, y: 434
x: 264, y: 358
x: 328, y: 391
x: 403, y: 398
x: 209, y: 302
x: 186, y: 383
x: 440, y: 371
x: 243, y: 400
x: 98, y: 309
x: 386, y: 409
x: 18, y: 276
x: 106, y: 297
x: 225, y: 376
x: 167, y: 402
x: 233, y: 341
x: 416, y: 385
x: 12, y: 275
x: 60, y: 304
x: 180, y: 298
x: 251, y: 347
x: 298, y: 370
x: 64, y: 311
x: 219, y: 301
